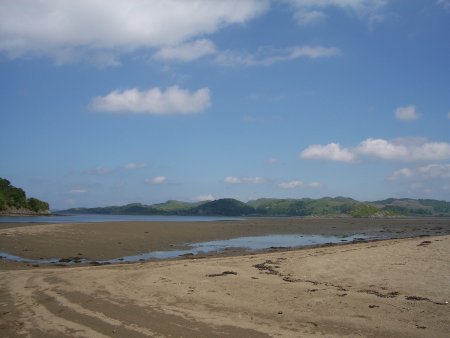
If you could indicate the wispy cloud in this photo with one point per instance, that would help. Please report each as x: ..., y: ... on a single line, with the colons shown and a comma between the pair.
x: 244, y: 180
x: 404, y: 172
x: 134, y: 166
x: 203, y: 198
x: 291, y: 184
x: 299, y: 184
x: 78, y: 191
x: 407, y: 113
x: 158, y: 180
x: 173, y: 100
x: 187, y: 51
x: 270, y: 56
x: 395, y: 150
x: 444, y: 3
x: 432, y: 179
x: 99, y: 171
x: 309, y: 17
x: 315, y: 185
x: 311, y: 11
x: 273, y: 161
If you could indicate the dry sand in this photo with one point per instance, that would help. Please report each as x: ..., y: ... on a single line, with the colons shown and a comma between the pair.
x: 392, y: 288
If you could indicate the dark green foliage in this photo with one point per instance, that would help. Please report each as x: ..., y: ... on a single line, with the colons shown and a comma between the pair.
x: 37, y: 205
x: 223, y: 207
x: 15, y: 198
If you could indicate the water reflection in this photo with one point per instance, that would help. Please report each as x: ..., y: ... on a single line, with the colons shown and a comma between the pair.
x: 253, y: 243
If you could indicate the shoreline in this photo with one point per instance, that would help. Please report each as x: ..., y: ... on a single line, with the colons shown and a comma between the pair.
x: 96, y: 242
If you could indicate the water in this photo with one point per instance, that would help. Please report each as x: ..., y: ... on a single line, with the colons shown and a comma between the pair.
x: 253, y: 243
x: 93, y: 218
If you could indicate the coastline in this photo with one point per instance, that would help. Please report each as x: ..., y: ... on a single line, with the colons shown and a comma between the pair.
x: 388, y: 288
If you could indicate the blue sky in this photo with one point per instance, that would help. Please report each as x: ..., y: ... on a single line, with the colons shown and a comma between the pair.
x: 113, y: 102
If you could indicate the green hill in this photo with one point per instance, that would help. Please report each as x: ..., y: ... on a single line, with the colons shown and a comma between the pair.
x: 414, y: 207
x: 223, y: 207
x: 14, y: 201
x: 326, y: 206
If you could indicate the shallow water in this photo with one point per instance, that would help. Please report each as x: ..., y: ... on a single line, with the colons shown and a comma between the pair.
x: 93, y: 218
x: 253, y: 243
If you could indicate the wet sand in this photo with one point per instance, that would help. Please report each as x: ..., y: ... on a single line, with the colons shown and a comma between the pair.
x: 392, y: 288
x: 109, y: 240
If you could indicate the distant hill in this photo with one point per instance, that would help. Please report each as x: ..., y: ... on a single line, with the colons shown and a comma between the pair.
x: 326, y: 206
x: 223, y: 207
x: 13, y: 201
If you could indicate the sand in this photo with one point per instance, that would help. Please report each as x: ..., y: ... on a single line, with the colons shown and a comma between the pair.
x: 391, y: 288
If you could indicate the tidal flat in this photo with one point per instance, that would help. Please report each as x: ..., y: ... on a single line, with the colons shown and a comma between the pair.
x: 396, y: 285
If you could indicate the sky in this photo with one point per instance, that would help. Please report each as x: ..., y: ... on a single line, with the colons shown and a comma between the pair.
x: 109, y: 102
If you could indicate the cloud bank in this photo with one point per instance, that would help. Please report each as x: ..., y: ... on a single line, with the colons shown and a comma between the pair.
x: 104, y: 29
x: 395, y: 150
x: 173, y: 100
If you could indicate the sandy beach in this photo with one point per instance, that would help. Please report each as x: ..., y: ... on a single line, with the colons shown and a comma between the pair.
x: 390, y: 288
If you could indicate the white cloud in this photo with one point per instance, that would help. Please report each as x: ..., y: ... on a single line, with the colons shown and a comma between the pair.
x: 435, y: 171
x: 291, y: 184
x: 367, y: 10
x: 78, y: 191
x: 272, y: 161
x: 269, y: 56
x: 72, y: 30
x: 432, y: 180
x: 173, y: 100
x: 305, y: 18
x: 408, y: 150
x: 407, y: 113
x: 448, y: 115
x: 203, y: 198
x: 331, y: 151
x: 315, y: 185
x: 402, y: 151
x: 382, y: 149
x: 401, y: 173
x: 133, y: 166
x: 158, y: 180
x: 244, y: 180
x: 188, y: 51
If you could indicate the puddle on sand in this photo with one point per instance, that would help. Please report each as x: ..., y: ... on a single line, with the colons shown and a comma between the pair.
x: 253, y: 243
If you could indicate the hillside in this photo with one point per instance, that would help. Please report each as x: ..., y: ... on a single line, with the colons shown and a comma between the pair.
x: 327, y: 206
x: 13, y: 201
